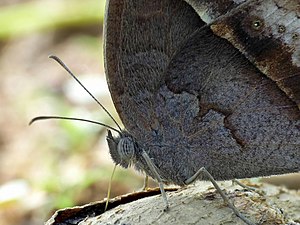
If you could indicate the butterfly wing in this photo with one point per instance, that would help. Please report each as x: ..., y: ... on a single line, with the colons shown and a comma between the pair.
x: 191, y: 99
x: 140, y: 39
x: 267, y: 32
x: 245, y: 125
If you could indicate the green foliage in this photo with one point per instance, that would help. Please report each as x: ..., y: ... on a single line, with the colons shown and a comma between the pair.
x: 35, y: 16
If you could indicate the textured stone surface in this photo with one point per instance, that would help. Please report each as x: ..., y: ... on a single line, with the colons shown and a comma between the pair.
x: 197, y: 204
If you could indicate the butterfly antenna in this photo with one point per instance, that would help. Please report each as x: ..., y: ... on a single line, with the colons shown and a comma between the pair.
x: 58, y: 60
x: 71, y: 118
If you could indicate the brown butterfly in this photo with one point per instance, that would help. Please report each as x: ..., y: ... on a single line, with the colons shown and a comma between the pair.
x: 193, y: 102
x: 205, y: 89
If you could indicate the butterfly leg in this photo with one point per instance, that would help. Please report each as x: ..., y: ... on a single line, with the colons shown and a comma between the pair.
x: 203, y: 171
x: 145, y: 186
x: 157, y: 177
x: 235, y: 181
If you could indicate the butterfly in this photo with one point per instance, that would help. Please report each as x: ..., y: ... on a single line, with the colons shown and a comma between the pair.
x: 211, y: 85
x: 205, y: 89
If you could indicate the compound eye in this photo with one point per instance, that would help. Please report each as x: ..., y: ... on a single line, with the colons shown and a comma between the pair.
x: 126, y: 148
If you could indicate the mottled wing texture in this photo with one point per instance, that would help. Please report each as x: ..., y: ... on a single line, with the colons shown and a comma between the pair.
x: 140, y: 39
x: 267, y: 32
x: 231, y: 118
x: 190, y: 99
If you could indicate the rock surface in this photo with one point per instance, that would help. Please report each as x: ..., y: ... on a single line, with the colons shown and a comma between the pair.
x: 195, y: 204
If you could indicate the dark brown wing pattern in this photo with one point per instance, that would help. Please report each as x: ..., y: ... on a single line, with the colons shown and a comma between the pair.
x: 267, y: 32
x: 190, y: 99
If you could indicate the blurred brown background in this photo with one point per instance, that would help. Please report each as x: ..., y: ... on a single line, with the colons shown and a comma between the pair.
x: 53, y: 164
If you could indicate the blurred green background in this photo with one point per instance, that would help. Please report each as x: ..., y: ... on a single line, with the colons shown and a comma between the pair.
x: 53, y: 164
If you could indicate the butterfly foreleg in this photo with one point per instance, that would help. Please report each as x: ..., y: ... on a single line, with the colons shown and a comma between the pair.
x: 157, y: 178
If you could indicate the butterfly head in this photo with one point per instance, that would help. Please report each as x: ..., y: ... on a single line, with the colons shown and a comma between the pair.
x: 122, y: 149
